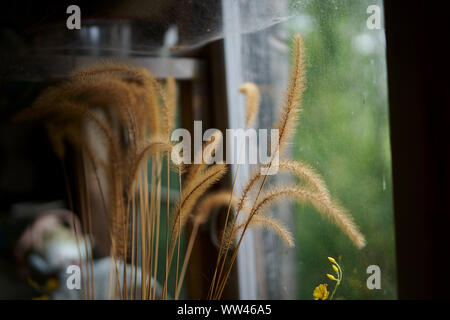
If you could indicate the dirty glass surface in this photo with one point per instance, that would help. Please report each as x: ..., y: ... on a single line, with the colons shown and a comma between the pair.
x: 343, y: 133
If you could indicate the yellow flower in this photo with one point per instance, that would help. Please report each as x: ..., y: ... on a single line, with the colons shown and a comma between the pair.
x: 320, y: 292
x: 331, y: 260
x: 51, y: 285
x: 335, y: 269
x: 331, y: 277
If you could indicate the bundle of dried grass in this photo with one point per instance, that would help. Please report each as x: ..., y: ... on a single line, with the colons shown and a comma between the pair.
x: 111, y: 114
x: 120, y: 120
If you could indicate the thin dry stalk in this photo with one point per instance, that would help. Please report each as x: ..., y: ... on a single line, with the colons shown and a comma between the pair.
x: 253, y: 99
x: 285, y: 126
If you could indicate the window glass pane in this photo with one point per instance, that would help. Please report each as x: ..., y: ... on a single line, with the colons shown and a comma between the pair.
x: 343, y: 133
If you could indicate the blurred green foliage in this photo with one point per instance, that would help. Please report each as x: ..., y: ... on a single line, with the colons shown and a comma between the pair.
x: 344, y: 133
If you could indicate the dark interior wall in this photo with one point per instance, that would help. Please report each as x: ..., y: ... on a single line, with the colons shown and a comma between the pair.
x: 32, y: 24
x: 27, y: 14
x: 418, y: 69
x: 29, y: 170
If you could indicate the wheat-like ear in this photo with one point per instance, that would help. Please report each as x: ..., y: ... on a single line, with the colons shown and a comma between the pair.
x: 300, y: 169
x: 330, y: 209
x: 289, y: 113
x: 129, y: 101
x: 124, y: 72
x: 291, y: 108
x: 260, y: 221
x: 264, y: 221
x: 251, y: 92
x: 105, y: 92
x: 210, y: 201
x: 307, y: 174
x: 144, y: 85
x: 193, y: 190
x: 105, y: 67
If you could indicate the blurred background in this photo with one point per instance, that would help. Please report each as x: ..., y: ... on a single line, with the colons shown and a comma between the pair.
x: 211, y: 47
